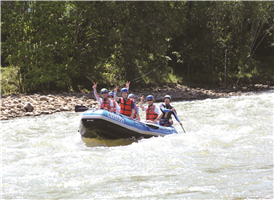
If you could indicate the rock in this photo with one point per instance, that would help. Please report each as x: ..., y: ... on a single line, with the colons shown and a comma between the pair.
x: 64, y: 108
x: 20, y: 105
x: 85, y: 98
x: 28, y: 107
x: 51, y: 108
x: 79, y: 102
x: 4, y: 118
x: 43, y: 98
x: 29, y: 114
x: 13, y: 111
x: 15, y: 101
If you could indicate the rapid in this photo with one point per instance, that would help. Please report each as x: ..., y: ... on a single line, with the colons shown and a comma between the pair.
x: 226, y: 153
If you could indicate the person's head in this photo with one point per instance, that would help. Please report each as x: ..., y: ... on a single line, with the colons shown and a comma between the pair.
x: 131, y: 96
x: 111, y: 95
x: 104, y: 93
x: 124, y: 92
x: 150, y: 100
x: 167, y: 99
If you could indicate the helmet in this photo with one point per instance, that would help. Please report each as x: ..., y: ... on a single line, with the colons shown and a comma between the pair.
x: 111, y: 94
x: 103, y: 90
x: 150, y: 97
x: 167, y: 96
x: 124, y: 90
x: 131, y: 95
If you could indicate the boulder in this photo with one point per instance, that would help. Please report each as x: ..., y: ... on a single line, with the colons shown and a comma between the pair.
x: 28, y: 107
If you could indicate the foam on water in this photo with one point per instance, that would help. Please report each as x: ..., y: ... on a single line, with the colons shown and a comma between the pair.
x: 227, y: 152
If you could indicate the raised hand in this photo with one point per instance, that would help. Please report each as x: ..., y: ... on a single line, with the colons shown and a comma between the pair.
x: 142, y: 98
x: 94, y: 86
x: 115, y: 90
x: 127, y: 84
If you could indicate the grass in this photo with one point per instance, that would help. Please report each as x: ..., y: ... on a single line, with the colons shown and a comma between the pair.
x: 9, y: 81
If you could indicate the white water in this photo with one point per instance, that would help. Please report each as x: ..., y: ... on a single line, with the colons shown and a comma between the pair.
x: 227, y: 153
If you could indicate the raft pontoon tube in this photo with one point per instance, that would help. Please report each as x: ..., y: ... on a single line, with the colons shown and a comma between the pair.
x: 106, y: 125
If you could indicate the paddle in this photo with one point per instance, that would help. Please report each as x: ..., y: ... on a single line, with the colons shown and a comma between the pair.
x: 79, y: 108
x: 179, y: 121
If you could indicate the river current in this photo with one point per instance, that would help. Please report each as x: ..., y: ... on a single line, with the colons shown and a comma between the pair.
x: 226, y: 153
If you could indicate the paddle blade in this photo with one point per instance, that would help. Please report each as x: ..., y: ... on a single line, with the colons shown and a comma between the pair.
x: 79, y: 108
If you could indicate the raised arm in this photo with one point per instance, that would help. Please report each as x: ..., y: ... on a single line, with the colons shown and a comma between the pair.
x: 141, y: 103
x: 127, y: 85
x: 115, y: 91
x: 95, y: 92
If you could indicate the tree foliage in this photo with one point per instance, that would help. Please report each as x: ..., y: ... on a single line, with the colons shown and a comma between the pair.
x: 62, y: 45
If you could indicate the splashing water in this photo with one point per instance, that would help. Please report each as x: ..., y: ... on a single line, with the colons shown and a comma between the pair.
x: 227, y: 153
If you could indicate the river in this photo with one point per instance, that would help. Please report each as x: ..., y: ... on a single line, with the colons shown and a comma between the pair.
x: 227, y: 153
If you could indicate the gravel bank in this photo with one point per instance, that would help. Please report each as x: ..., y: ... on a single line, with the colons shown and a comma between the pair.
x: 21, y: 105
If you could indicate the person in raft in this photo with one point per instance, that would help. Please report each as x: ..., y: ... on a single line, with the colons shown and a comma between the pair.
x: 104, y: 102
x: 116, y: 107
x: 136, y: 115
x: 127, y: 105
x: 152, y: 111
x: 132, y: 96
x: 167, y: 111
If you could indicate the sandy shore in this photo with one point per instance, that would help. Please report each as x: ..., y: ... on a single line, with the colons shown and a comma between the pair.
x: 21, y: 105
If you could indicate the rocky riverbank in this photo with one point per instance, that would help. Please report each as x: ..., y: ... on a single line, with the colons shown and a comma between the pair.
x: 20, y: 105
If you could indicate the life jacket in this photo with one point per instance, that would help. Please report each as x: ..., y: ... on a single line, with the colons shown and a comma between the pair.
x: 150, y: 114
x: 164, y: 122
x: 166, y: 115
x: 114, y: 106
x: 135, y: 114
x: 105, y: 104
x: 126, y: 107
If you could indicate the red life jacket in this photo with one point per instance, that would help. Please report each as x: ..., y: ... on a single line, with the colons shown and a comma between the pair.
x: 114, y: 106
x: 105, y: 104
x: 126, y: 107
x: 150, y: 114
x: 135, y: 114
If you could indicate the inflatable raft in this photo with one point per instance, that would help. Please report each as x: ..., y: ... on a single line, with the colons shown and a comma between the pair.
x: 106, y: 125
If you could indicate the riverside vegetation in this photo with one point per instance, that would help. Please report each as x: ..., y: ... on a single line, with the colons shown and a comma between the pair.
x: 62, y: 47
x: 68, y: 45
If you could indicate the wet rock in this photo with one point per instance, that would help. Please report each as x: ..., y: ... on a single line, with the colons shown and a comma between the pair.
x: 28, y: 107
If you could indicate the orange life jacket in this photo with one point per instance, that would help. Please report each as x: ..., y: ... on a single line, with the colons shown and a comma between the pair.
x: 150, y: 114
x: 105, y: 104
x: 126, y: 107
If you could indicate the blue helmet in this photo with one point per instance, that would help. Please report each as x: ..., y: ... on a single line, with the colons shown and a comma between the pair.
x: 103, y: 90
x: 111, y: 94
x: 167, y: 96
x: 124, y: 90
x: 150, y: 97
x: 131, y: 95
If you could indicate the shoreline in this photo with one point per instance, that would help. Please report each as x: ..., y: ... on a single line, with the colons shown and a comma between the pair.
x: 23, y: 105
